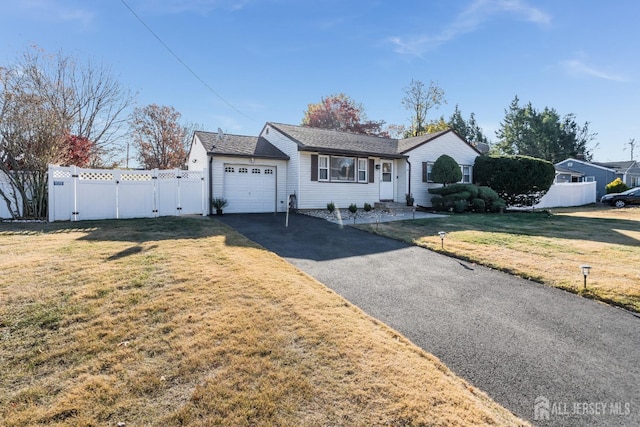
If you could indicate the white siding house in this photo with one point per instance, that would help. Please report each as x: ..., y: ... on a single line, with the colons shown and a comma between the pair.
x: 318, y: 166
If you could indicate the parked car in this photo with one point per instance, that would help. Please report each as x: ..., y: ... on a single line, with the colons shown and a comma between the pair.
x: 620, y: 200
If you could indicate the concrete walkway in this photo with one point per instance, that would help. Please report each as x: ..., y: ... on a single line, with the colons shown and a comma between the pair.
x: 527, y: 345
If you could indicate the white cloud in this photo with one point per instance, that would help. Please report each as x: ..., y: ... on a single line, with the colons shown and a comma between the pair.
x: 577, y: 67
x: 57, y: 11
x: 469, y: 20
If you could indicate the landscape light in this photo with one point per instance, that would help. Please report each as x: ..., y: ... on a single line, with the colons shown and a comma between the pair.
x: 442, y: 234
x: 585, y: 272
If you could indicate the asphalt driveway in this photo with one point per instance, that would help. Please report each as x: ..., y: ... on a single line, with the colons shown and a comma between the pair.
x: 525, y: 344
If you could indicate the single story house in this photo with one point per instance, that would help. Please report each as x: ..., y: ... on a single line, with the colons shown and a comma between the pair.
x: 574, y: 170
x: 318, y: 166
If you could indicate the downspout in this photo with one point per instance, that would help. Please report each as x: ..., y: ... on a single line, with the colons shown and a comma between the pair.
x: 210, y: 183
x: 409, y: 177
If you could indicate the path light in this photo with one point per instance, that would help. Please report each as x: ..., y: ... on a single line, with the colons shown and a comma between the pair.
x: 585, y: 272
x: 442, y: 234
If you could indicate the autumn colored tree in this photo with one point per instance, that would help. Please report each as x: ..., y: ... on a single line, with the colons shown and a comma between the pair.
x: 419, y: 100
x: 76, y: 150
x: 43, y: 100
x: 159, y: 137
x: 340, y: 112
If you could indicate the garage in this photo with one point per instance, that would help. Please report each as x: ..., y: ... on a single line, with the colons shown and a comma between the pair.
x: 249, y: 188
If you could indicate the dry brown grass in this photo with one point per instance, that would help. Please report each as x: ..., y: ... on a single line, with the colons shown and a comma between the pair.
x: 185, y: 322
x: 549, y: 249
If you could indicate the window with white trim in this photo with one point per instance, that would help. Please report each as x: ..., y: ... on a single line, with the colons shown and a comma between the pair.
x: 268, y: 171
x: 362, y: 170
x: 429, y: 172
x: 255, y: 170
x: 466, y: 174
x: 323, y: 168
x: 229, y: 169
x: 243, y: 170
x: 343, y: 169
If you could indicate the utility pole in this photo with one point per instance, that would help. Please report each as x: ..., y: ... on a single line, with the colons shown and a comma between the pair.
x: 632, y: 145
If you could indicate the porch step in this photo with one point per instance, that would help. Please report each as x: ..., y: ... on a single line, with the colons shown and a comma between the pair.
x: 393, y: 207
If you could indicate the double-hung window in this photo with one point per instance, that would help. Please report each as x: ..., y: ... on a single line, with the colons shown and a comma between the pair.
x: 362, y: 170
x: 323, y: 168
x: 427, y: 167
x: 466, y: 174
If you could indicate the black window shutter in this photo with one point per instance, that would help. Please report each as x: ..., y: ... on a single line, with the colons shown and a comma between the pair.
x: 424, y: 171
x: 314, y: 167
x: 372, y: 167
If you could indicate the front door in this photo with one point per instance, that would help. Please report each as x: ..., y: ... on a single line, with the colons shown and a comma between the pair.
x: 386, y: 180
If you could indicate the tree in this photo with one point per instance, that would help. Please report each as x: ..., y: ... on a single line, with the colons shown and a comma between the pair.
x: 340, y: 112
x: 76, y: 151
x: 53, y: 111
x: 519, y: 180
x: 446, y: 170
x: 160, y: 140
x: 419, y: 100
x: 542, y: 134
x: 469, y: 129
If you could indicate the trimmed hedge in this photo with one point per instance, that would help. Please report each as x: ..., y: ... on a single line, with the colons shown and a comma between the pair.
x: 519, y: 180
x: 461, y: 197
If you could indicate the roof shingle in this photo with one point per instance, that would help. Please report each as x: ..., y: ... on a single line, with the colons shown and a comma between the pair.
x: 239, y: 145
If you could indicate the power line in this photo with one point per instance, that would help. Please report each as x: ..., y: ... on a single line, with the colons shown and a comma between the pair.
x: 182, y: 62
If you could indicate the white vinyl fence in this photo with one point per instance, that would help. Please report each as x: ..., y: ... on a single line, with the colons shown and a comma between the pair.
x: 5, y: 186
x: 77, y: 194
x: 568, y: 194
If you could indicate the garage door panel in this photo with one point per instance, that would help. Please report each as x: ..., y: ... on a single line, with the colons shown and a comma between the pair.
x: 249, y: 188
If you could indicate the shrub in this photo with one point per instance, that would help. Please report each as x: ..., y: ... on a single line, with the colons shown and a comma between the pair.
x: 331, y: 207
x: 353, y: 208
x: 517, y: 179
x: 446, y: 170
x: 616, y: 186
x: 478, y: 205
x: 499, y: 204
x: 480, y: 199
x: 455, y: 188
x: 460, y: 206
x: 367, y: 207
x: 437, y: 202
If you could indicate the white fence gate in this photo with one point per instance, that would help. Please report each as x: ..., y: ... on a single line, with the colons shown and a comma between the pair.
x: 77, y: 194
x: 568, y: 194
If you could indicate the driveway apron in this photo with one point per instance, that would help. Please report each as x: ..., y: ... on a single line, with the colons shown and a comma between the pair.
x: 549, y: 356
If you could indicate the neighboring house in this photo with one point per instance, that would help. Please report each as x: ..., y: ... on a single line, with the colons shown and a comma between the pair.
x: 573, y: 170
x: 627, y: 171
x: 318, y: 166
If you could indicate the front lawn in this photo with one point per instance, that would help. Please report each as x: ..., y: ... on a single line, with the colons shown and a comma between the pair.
x: 546, y: 246
x: 182, y: 321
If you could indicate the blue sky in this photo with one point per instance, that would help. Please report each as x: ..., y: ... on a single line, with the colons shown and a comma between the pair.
x: 269, y: 59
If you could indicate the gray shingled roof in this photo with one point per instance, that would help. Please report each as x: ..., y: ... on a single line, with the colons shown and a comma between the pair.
x: 239, y: 145
x: 618, y: 166
x: 334, y: 141
x: 316, y: 139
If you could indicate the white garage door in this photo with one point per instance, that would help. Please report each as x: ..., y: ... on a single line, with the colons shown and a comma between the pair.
x: 250, y: 188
